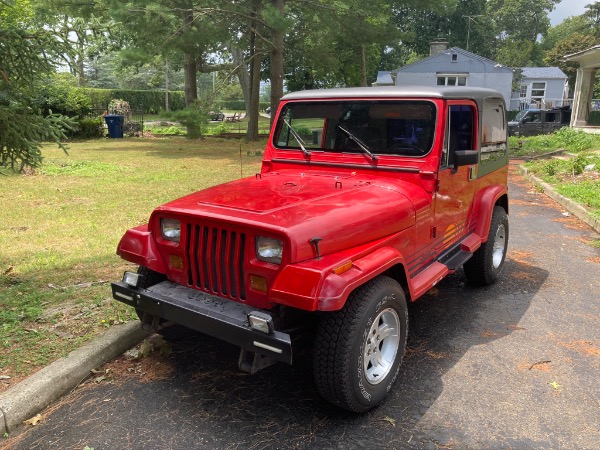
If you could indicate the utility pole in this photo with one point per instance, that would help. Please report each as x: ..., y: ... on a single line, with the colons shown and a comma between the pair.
x: 469, y: 19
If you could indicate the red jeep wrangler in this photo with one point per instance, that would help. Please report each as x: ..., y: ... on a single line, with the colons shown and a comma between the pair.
x: 367, y: 197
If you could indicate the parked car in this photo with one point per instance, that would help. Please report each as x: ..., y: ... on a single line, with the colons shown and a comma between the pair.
x: 217, y: 115
x: 539, y: 121
x: 366, y: 199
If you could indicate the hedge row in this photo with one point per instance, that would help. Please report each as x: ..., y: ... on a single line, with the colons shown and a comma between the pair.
x: 151, y: 102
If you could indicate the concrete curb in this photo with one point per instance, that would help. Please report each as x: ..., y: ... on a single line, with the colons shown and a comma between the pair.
x: 570, y: 205
x: 35, y: 393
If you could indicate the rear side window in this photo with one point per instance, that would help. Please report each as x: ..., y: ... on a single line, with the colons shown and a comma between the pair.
x: 494, y: 152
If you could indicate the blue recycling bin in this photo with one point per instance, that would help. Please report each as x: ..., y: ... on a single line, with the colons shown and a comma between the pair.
x: 115, y: 125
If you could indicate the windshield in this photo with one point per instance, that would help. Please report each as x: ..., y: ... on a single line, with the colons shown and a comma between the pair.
x: 520, y: 115
x: 404, y: 128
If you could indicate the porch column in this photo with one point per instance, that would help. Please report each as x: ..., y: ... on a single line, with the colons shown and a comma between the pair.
x: 582, y: 96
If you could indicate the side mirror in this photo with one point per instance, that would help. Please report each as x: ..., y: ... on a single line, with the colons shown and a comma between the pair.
x: 465, y: 158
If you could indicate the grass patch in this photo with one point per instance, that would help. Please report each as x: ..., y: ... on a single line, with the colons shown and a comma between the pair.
x: 60, y: 227
x: 577, y: 178
x: 574, y: 141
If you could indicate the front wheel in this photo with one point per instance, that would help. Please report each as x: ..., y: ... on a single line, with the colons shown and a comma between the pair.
x: 485, y: 265
x: 359, y: 349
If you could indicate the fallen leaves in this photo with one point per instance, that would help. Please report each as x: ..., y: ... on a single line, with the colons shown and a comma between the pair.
x: 34, y: 420
x: 388, y: 420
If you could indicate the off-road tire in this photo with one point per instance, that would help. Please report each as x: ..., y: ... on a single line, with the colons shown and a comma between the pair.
x: 343, y: 340
x: 485, y: 265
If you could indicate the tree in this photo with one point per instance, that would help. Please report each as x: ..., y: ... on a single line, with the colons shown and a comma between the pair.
x: 27, y: 55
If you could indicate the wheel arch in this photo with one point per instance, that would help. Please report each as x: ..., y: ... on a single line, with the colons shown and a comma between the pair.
x: 487, y: 199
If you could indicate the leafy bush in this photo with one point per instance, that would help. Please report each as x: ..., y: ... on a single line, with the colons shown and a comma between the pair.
x: 578, y: 164
x: 172, y: 131
x: 59, y: 96
x: 194, y: 119
x: 89, y: 129
x: 219, y: 129
x: 551, y: 167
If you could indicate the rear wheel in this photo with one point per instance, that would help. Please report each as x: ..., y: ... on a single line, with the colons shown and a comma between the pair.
x: 486, y: 264
x: 359, y: 349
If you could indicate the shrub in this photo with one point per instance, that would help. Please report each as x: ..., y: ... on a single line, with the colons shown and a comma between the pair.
x: 578, y: 164
x: 194, y: 119
x: 551, y: 167
x: 89, y: 128
x: 59, y: 96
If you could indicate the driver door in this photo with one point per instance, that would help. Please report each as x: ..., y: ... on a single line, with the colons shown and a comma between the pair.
x: 454, y: 196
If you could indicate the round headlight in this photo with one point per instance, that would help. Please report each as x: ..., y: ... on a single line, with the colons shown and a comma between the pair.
x: 269, y: 249
x: 170, y: 229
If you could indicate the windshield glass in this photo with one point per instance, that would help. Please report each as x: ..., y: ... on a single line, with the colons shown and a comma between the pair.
x: 520, y: 115
x: 404, y: 128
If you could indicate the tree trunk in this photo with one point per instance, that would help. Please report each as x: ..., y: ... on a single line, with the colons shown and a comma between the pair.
x: 255, y: 62
x: 242, y: 74
x: 363, y: 66
x: 190, y: 67
x: 189, y: 73
x: 80, y: 62
x: 166, y: 86
x: 277, y: 71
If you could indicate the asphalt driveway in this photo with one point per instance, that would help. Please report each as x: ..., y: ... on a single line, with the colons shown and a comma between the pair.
x: 514, y: 365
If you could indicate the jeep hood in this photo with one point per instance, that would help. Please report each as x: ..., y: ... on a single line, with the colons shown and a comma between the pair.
x: 342, y: 210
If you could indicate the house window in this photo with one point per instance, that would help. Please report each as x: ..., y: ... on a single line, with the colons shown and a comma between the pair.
x: 523, y: 91
x: 454, y: 57
x: 451, y: 80
x: 538, y: 90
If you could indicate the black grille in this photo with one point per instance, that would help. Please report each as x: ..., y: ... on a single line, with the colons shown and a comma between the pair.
x: 216, y: 260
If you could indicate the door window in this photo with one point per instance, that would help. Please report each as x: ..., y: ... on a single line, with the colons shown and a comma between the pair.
x: 459, y: 136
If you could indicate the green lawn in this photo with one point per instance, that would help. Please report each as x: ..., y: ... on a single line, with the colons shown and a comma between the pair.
x: 60, y: 226
x: 576, y: 174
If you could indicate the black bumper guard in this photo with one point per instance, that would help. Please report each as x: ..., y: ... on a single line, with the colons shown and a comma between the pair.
x: 215, y: 316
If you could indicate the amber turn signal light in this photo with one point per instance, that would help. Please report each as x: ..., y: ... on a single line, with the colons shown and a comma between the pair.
x: 343, y: 268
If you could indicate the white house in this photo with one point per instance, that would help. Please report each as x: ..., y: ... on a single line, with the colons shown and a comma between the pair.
x: 541, y: 87
x: 453, y: 67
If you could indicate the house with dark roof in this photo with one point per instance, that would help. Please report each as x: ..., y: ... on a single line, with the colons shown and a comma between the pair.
x: 541, y: 87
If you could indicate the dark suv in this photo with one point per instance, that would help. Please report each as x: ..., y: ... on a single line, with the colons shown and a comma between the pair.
x: 539, y: 121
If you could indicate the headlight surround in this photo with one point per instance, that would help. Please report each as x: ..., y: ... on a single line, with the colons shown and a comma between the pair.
x: 170, y: 229
x: 269, y: 249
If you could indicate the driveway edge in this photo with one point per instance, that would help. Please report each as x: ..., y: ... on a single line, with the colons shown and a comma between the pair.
x: 570, y: 205
x: 36, y: 392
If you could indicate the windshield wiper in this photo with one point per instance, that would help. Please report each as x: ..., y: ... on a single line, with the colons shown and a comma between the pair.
x: 297, y: 137
x: 360, y: 143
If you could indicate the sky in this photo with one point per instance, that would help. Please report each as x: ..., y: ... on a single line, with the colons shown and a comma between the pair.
x: 567, y: 8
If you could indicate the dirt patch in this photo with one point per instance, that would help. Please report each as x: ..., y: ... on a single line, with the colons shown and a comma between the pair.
x: 586, y: 348
x: 147, y: 362
x: 520, y: 257
x: 486, y: 334
x: 420, y: 350
x: 572, y: 223
x: 595, y: 259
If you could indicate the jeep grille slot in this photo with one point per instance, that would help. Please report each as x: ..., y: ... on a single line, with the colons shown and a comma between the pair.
x: 216, y: 260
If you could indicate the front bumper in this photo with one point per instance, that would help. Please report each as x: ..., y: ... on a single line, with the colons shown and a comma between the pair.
x: 215, y: 316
